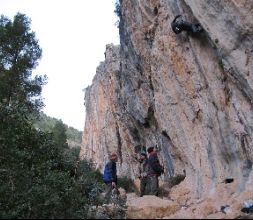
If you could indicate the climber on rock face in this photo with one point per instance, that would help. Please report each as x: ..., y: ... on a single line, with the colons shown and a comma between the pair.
x: 179, y: 25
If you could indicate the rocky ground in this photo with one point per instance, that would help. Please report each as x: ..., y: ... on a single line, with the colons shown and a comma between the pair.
x: 177, y: 203
x: 224, y: 204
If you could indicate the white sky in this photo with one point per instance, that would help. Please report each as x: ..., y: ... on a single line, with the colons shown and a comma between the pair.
x: 73, y: 35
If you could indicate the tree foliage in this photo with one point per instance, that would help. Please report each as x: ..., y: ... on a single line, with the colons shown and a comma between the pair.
x: 59, y: 135
x: 19, y: 55
x: 47, y: 123
x: 40, y: 177
x: 118, y: 11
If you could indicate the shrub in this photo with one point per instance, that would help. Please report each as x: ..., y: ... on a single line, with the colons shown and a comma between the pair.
x: 127, y: 184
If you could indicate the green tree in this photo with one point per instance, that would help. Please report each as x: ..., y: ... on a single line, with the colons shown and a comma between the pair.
x: 20, y: 144
x: 47, y: 123
x: 37, y: 178
x: 59, y: 135
x: 19, y: 55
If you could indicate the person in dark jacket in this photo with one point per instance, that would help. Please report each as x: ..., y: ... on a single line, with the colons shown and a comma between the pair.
x: 143, y: 174
x: 178, y: 25
x: 155, y: 170
x: 110, y: 177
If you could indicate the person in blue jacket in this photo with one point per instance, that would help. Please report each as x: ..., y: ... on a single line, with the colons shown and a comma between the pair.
x: 110, y: 177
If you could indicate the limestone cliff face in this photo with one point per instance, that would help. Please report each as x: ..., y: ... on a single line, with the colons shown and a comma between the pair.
x: 190, y: 96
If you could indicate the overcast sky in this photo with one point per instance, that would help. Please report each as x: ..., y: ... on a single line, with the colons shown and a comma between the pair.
x: 73, y: 35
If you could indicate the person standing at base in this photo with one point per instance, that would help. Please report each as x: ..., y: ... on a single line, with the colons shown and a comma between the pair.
x: 155, y: 170
x: 143, y: 174
x: 110, y: 177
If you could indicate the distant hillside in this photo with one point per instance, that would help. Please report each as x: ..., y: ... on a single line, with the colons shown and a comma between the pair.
x: 46, y: 123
